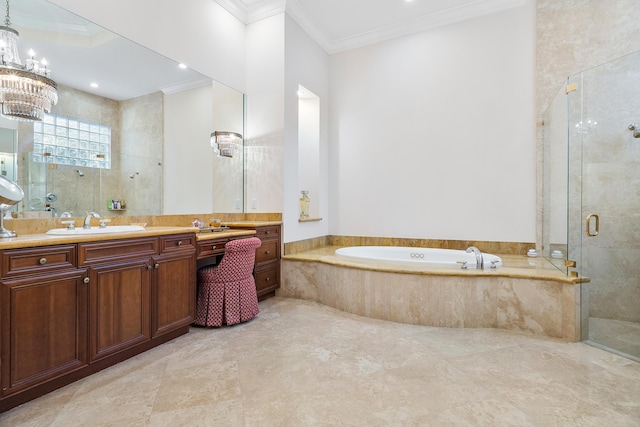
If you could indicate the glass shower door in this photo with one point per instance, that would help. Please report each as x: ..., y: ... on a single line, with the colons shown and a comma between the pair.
x: 604, y: 201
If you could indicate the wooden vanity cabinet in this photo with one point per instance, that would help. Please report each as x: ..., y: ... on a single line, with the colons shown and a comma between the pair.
x: 119, y: 293
x: 173, y: 296
x: 267, y: 266
x: 68, y: 311
x: 43, y: 316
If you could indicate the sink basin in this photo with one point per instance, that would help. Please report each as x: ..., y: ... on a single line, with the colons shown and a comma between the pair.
x: 79, y: 231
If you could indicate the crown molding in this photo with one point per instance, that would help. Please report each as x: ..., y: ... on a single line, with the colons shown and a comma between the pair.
x: 257, y: 11
x: 262, y: 9
x: 423, y: 23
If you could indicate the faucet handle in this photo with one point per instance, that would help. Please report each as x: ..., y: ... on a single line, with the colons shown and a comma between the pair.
x: 103, y: 223
x: 71, y: 225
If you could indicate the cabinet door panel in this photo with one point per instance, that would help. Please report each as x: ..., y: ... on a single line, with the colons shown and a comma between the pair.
x: 174, y: 292
x: 46, y: 333
x: 119, y: 312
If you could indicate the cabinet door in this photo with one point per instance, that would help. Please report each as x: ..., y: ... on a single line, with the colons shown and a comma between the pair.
x: 45, y: 328
x: 174, y: 292
x: 119, y: 312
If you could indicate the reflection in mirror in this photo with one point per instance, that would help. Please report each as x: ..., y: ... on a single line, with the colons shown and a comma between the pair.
x: 104, y: 139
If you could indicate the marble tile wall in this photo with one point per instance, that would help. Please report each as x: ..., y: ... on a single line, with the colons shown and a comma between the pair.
x: 489, y: 247
x: 576, y: 36
x: 572, y: 36
x: 542, y: 307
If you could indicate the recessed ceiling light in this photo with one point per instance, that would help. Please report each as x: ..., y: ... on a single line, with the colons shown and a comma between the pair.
x: 181, y: 65
x: 94, y: 85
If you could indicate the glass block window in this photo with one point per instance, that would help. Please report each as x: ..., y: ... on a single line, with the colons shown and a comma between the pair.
x: 66, y: 141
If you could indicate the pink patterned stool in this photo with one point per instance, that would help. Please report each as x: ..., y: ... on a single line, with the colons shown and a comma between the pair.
x: 227, y: 291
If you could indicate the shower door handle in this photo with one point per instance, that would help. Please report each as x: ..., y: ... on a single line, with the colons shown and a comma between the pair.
x: 597, y: 224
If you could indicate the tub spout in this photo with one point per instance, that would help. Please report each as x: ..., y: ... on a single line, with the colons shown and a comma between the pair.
x: 479, y: 258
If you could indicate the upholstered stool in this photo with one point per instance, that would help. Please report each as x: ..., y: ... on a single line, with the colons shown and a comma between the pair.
x: 227, y: 291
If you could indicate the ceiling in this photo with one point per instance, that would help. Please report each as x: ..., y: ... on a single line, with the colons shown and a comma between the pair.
x: 80, y: 53
x: 339, y: 25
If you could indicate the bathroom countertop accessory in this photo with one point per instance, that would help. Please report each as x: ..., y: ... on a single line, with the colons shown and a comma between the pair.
x: 532, y: 253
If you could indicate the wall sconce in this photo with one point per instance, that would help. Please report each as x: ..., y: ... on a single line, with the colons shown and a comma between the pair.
x: 225, y: 143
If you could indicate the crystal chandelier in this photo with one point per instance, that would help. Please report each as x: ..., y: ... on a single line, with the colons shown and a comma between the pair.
x: 224, y: 144
x: 26, y: 91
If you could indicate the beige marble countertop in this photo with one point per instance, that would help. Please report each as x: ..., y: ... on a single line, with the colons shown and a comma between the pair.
x: 516, y: 266
x: 34, y: 240
x: 211, y: 235
x: 251, y: 224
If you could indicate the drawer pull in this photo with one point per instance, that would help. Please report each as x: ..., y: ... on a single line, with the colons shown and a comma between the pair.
x: 268, y: 278
x: 86, y: 280
x: 157, y: 266
x: 42, y: 261
x: 213, y: 247
x: 179, y: 243
x: 267, y: 252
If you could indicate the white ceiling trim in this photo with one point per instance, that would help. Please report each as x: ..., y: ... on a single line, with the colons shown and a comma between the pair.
x: 420, y: 23
x: 254, y: 12
x: 248, y: 12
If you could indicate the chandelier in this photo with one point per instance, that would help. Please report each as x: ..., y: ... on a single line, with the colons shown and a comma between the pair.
x: 224, y: 144
x: 26, y: 91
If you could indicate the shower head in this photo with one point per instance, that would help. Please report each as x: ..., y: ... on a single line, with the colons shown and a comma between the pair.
x: 133, y: 175
x: 635, y: 129
x: 79, y: 172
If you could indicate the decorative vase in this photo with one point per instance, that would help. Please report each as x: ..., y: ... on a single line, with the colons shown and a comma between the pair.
x: 304, y: 205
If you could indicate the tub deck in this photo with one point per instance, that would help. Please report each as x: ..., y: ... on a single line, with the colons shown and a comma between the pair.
x: 527, y: 294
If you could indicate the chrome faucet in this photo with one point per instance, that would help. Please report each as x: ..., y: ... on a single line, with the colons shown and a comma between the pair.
x: 479, y: 258
x: 87, y: 219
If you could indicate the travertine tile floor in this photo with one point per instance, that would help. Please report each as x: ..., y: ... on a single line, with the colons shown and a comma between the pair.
x: 302, y: 364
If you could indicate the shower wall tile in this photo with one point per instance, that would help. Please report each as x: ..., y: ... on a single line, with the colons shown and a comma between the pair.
x: 576, y: 35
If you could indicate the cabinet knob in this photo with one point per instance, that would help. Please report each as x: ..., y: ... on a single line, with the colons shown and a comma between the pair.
x: 213, y: 247
x: 42, y: 261
x: 157, y: 266
x: 268, y: 278
x: 179, y: 243
x: 86, y: 280
x: 267, y: 252
x: 149, y: 267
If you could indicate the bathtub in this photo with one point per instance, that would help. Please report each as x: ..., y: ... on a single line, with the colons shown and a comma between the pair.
x: 428, y: 257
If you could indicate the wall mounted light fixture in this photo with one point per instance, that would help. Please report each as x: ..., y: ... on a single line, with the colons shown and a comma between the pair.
x: 225, y: 144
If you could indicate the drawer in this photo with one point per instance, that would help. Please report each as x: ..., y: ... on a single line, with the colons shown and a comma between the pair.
x: 268, y: 233
x: 267, y: 280
x: 267, y: 252
x: 38, y: 260
x: 210, y: 248
x: 116, y: 250
x: 178, y: 242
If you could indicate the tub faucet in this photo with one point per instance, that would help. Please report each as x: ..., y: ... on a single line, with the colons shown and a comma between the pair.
x: 87, y: 219
x: 479, y: 258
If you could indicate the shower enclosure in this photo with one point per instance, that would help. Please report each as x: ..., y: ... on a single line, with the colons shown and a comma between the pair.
x: 592, y: 198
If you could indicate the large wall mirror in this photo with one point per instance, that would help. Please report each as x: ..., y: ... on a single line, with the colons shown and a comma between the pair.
x: 108, y: 142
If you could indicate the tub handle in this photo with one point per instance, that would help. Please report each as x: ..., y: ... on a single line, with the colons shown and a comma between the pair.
x: 597, y: 224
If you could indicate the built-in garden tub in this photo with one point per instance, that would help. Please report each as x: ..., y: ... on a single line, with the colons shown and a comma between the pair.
x: 520, y: 293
